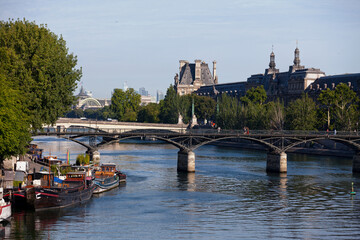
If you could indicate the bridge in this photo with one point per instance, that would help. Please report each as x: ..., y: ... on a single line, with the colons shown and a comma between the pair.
x: 114, y: 125
x: 276, y: 143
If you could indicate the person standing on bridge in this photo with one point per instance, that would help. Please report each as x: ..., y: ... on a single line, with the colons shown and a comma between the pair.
x: 334, y: 131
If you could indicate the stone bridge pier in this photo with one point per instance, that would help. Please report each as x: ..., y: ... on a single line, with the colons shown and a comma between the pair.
x: 186, y: 161
x: 94, y: 155
x: 276, y: 162
x: 356, y: 163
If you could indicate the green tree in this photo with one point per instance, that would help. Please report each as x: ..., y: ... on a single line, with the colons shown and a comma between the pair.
x: 82, y: 159
x: 75, y: 113
x: 184, y: 107
x: 327, y: 98
x: 301, y: 114
x: 345, y: 107
x: 169, y: 107
x: 227, y: 116
x: 149, y: 113
x: 341, y: 105
x: 257, y: 117
x: 38, y: 64
x: 255, y: 95
x: 204, y: 107
x: 14, y: 123
x: 125, y: 104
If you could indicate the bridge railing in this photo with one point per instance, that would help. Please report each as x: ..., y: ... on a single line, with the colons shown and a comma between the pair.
x: 87, y: 130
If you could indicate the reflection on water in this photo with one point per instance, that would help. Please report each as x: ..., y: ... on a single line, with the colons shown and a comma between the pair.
x: 230, y: 196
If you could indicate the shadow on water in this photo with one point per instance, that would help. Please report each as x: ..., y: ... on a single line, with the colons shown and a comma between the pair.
x: 186, y: 181
x: 30, y: 224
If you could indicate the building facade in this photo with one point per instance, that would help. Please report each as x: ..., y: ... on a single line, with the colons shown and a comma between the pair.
x: 192, y: 76
x: 86, y: 101
x: 286, y: 86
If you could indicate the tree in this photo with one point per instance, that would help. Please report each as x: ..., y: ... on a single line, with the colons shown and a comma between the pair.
x: 149, y: 113
x: 276, y: 115
x: 257, y: 117
x: 204, y: 107
x: 301, y: 114
x: 75, y: 113
x: 227, y: 116
x: 255, y: 95
x: 125, y: 104
x: 345, y: 107
x: 82, y: 159
x: 326, y: 98
x: 37, y: 63
x: 14, y: 123
x: 169, y: 107
x: 184, y: 107
x: 342, y: 105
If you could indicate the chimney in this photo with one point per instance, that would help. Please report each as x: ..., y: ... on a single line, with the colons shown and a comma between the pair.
x: 197, y: 69
x: 182, y: 63
x: 214, y: 69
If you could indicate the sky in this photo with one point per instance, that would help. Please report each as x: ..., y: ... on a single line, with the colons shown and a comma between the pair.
x: 140, y: 42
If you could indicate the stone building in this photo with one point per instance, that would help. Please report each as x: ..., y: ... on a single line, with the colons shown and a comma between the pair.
x: 192, y: 76
x: 86, y: 101
x: 322, y: 83
x: 288, y: 85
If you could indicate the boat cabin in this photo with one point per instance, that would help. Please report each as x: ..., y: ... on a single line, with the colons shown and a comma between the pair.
x: 106, y: 169
x: 52, y: 160
x: 75, y: 176
x: 40, y: 179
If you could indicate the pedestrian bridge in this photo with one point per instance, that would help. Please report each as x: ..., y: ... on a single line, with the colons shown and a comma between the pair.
x: 276, y: 143
x: 114, y: 125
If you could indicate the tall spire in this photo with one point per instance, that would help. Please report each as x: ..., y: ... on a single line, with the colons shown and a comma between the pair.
x: 272, y: 59
x: 297, y: 56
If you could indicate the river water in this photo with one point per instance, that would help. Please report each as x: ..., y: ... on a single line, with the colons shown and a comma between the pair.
x: 229, y: 197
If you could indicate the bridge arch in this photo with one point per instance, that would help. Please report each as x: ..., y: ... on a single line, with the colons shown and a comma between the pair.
x: 351, y: 144
x: 89, y: 102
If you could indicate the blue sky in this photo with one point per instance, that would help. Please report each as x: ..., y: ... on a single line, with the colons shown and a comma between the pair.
x: 141, y: 42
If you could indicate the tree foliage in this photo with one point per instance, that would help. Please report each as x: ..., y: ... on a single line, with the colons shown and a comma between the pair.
x: 341, y: 106
x: 255, y: 95
x: 82, y: 159
x: 38, y: 64
x: 301, y: 114
x: 149, y: 113
x: 276, y: 115
x: 227, y: 116
x: 169, y: 107
x: 14, y: 123
x: 125, y: 104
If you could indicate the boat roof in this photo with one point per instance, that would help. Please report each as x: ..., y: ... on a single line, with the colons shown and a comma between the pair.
x: 108, y: 164
x: 70, y: 173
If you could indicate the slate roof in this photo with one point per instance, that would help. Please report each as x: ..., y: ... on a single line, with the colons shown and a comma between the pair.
x: 187, y: 74
x: 353, y: 78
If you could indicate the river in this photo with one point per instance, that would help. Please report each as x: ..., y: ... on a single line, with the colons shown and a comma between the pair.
x: 229, y: 197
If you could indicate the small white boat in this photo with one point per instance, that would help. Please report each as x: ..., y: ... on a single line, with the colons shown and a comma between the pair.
x: 5, y: 207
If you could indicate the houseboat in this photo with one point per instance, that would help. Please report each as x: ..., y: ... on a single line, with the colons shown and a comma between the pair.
x: 107, y: 178
x: 76, y: 188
